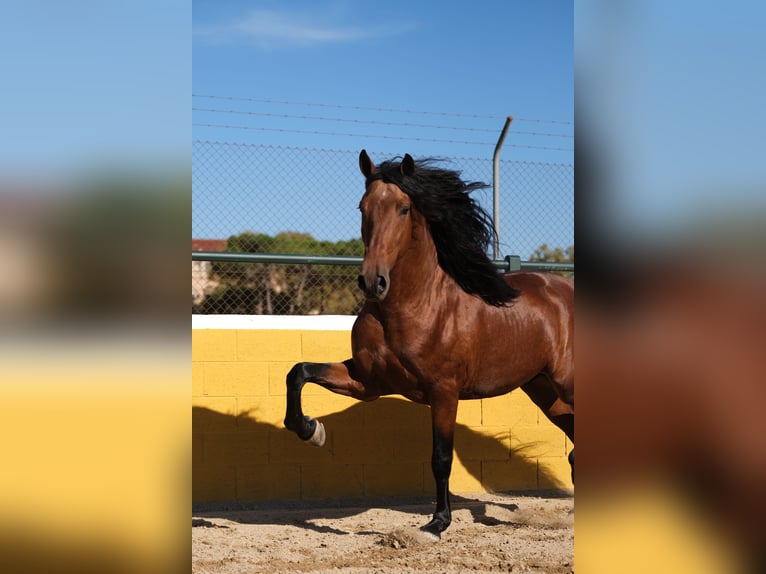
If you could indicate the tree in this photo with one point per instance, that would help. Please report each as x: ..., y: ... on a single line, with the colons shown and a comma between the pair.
x: 244, y: 288
x: 268, y: 288
x: 555, y: 255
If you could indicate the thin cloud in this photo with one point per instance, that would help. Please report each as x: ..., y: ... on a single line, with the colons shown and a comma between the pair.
x: 270, y: 29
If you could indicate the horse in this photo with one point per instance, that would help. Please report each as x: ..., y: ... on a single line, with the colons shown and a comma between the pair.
x: 440, y: 323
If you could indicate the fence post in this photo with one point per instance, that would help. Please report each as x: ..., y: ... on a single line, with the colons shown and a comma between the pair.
x: 496, y: 188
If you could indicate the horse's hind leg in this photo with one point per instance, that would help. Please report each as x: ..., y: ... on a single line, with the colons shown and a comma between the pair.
x: 336, y: 377
x: 544, y: 395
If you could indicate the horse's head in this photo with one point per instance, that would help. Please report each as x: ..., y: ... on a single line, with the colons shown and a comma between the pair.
x: 386, y: 226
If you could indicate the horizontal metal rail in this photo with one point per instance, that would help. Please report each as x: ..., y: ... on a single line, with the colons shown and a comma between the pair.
x: 510, y: 263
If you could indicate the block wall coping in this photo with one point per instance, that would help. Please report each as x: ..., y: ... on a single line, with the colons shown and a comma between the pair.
x: 275, y: 322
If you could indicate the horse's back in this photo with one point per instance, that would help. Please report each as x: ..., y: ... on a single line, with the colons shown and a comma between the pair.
x: 550, y: 297
x: 543, y: 285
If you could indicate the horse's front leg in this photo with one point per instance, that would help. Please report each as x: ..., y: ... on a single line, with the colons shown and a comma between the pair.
x: 443, y: 418
x: 336, y: 377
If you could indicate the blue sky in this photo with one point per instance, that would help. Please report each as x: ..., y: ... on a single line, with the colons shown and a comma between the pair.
x: 430, y: 78
x: 89, y: 84
x: 674, y: 94
x: 489, y: 58
x: 673, y: 91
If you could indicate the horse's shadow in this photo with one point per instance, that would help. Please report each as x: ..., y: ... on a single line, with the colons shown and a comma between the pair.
x: 248, y: 435
x: 311, y: 517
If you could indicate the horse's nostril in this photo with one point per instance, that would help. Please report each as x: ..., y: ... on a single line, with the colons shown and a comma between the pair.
x: 375, y: 288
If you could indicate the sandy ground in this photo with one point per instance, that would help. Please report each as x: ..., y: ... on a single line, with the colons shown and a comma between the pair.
x: 489, y: 533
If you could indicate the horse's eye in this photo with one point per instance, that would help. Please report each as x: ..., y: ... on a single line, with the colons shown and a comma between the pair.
x: 404, y: 210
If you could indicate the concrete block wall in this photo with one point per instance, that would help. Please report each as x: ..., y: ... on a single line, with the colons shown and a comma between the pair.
x: 242, y: 452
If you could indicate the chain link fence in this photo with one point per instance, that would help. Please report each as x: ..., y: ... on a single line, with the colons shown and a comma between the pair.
x: 285, y: 200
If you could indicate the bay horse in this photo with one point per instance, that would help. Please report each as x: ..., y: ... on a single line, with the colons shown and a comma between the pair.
x: 440, y: 323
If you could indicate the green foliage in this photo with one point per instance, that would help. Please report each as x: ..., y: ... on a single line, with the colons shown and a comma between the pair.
x: 557, y: 255
x: 249, y: 242
x: 267, y: 288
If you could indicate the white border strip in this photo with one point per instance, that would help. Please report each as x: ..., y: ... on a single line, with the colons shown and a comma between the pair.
x: 275, y: 322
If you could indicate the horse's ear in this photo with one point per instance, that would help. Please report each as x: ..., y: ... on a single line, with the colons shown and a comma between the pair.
x: 408, y: 165
x: 365, y: 164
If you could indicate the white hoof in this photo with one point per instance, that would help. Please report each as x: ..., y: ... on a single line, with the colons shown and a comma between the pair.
x: 317, y: 439
x: 426, y: 536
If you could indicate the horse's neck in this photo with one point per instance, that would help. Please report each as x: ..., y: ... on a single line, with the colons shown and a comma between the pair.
x: 417, y: 277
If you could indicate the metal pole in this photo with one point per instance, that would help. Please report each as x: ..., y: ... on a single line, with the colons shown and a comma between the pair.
x: 282, y: 258
x: 496, y: 188
x: 510, y: 263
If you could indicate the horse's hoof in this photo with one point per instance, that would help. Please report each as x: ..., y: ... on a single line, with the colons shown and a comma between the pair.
x: 317, y: 439
x: 433, y: 530
x: 428, y: 535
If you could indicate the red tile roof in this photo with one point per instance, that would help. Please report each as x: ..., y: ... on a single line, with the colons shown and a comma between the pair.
x: 208, y: 244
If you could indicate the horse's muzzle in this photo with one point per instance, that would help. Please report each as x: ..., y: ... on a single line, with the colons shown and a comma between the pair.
x: 376, y: 288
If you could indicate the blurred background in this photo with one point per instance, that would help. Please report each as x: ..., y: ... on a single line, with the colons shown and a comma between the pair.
x: 95, y: 205
x: 670, y: 311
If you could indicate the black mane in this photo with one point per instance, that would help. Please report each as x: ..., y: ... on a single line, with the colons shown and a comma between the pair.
x: 460, y: 228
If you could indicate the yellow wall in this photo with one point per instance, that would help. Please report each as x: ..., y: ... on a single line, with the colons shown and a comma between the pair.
x: 242, y: 452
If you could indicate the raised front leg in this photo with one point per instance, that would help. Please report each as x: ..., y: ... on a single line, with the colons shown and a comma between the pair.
x: 443, y: 417
x: 336, y: 377
x: 306, y: 428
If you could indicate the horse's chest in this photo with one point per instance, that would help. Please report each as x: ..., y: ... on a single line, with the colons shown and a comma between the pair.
x: 424, y: 351
x: 408, y: 344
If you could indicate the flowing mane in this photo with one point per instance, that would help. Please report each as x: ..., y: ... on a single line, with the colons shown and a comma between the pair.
x: 460, y: 228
